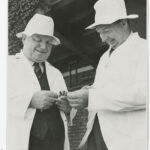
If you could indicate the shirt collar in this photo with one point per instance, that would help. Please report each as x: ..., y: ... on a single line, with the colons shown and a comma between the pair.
x: 126, y: 43
x: 31, y: 63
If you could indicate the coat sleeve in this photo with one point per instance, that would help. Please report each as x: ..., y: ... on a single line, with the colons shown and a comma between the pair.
x: 114, y: 97
x: 18, y: 94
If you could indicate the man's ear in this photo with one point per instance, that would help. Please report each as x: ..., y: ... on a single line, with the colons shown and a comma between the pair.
x: 24, y: 38
x: 124, y: 22
x: 126, y: 25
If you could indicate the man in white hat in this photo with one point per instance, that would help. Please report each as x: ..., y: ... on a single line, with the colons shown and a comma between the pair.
x: 36, y: 119
x: 117, y: 99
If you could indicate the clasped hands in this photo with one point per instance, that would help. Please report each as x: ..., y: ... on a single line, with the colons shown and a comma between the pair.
x: 45, y: 99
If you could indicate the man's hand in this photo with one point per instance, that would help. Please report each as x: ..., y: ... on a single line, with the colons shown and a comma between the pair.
x: 43, y: 99
x: 78, y: 99
x: 63, y: 104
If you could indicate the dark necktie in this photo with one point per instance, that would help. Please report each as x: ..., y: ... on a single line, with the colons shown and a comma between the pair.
x: 37, y: 71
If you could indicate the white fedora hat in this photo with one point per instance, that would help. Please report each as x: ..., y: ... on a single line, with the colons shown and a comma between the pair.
x: 109, y: 11
x: 40, y: 24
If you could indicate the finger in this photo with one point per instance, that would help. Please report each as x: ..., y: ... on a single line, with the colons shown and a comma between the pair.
x: 52, y: 100
x: 63, y: 97
x: 74, y: 100
x: 62, y: 93
x: 57, y: 100
x: 74, y: 94
x: 52, y: 94
x: 74, y: 105
x: 62, y: 101
x: 61, y: 104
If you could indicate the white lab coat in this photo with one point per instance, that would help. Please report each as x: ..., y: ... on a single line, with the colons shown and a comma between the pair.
x: 118, y: 96
x: 22, y: 83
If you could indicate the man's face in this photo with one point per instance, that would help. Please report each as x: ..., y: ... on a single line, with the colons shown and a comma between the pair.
x: 112, y: 34
x: 37, y: 48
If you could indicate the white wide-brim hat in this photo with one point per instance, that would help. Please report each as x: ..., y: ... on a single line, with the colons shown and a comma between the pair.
x: 109, y: 11
x: 40, y: 24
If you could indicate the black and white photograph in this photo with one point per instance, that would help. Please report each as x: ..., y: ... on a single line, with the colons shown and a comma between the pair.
x: 77, y: 75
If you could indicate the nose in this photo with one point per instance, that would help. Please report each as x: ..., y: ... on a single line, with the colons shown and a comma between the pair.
x: 43, y: 45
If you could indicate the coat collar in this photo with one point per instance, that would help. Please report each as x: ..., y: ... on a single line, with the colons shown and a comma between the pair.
x: 126, y: 46
x: 27, y: 68
x: 50, y: 70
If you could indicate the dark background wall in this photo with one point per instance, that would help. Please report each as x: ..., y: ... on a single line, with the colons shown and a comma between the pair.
x: 138, y: 7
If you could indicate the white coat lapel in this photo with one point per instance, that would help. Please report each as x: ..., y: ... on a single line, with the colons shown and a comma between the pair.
x: 28, y: 72
x: 50, y: 74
